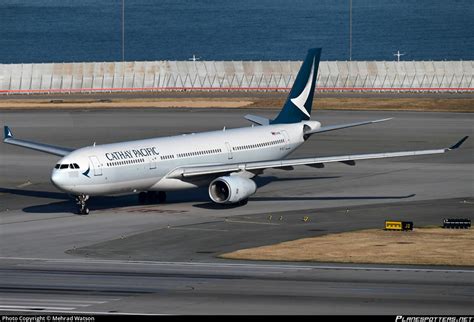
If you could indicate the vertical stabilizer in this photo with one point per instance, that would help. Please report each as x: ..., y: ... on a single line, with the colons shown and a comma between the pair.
x: 298, y: 105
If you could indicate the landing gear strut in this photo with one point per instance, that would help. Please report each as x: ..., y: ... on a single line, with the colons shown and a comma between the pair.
x: 151, y: 197
x: 81, y: 204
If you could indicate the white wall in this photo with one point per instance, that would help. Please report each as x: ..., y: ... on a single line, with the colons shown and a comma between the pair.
x: 453, y: 76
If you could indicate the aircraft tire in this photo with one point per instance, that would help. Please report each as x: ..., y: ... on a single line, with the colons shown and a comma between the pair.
x: 142, y: 197
x: 151, y: 197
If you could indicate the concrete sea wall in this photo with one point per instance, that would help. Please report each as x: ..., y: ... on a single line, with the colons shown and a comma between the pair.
x: 451, y: 76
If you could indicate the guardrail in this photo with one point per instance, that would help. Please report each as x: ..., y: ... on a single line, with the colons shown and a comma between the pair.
x: 373, y: 76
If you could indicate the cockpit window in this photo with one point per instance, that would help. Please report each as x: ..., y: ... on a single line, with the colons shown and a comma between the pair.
x: 67, y: 166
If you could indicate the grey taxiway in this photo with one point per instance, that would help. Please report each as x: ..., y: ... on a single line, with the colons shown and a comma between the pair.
x: 162, y: 259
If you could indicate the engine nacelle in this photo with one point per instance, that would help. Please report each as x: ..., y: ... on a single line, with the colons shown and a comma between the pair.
x: 231, y: 189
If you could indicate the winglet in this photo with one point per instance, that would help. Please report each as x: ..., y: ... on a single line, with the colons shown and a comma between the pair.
x: 7, y: 132
x: 457, y: 145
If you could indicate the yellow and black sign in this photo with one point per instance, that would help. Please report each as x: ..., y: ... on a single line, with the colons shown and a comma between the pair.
x: 398, y: 225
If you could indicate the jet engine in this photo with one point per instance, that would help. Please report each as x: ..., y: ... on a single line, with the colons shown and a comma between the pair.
x: 310, y: 126
x: 231, y: 189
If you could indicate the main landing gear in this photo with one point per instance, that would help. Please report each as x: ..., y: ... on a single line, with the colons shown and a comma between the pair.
x: 151, y: 197
x: 81, y: 204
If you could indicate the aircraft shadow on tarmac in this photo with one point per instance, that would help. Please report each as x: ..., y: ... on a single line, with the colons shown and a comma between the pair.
x: 35, y: 193
x: 198, y: 196
x: 211, y: 205
x: 107, y: 202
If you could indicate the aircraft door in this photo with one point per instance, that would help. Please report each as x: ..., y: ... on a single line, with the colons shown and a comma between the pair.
x: 229, y: 151
x: 96, y: 165
x: 153, y: 163
x: 286, y: 137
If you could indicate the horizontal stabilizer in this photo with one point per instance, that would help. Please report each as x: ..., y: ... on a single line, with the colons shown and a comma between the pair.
x: 257, y: 119
x: 343, y: 126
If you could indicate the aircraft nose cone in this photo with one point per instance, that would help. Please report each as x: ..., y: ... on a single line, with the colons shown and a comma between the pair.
x: 57, y: 179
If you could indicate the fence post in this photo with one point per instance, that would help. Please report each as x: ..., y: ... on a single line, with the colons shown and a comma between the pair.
x: 432, y: 80
x: 365, y: 80
x: 423, y: 81
x: 451, y: 82
x: 403, y: 81
x: 383, y: 83
x: 21, y: 77
x: 413, y: 81
x: 31, y: 76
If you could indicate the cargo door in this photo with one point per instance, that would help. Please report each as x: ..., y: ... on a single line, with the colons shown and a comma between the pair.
x: 229, y: 151
x: 153, y: 163
x: 96, y: 165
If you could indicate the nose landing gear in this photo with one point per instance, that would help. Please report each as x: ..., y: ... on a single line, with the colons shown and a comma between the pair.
x: 81, y: 204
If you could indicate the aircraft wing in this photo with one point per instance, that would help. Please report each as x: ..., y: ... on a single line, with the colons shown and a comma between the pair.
x: 192, y: 171
x: 51, y: 149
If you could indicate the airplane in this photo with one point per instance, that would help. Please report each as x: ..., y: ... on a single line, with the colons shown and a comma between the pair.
x: 225, y: 160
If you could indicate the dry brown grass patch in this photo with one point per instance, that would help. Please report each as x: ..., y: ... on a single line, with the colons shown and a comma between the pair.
x: 425, y: 246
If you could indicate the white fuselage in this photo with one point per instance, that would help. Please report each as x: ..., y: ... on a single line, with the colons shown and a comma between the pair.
x: 142, y: 165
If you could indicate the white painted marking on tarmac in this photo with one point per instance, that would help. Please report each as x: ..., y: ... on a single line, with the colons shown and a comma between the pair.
x: 252, y: 222
x: 10, y: 299
x: 242, y: 265
x: 84, y: 312
x: 38, y: 304
x: 26, y: 184
x: 203, y: 229
x: 34, y: 307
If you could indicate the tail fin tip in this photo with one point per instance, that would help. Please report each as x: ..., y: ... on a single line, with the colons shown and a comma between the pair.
x: 7, y: 133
